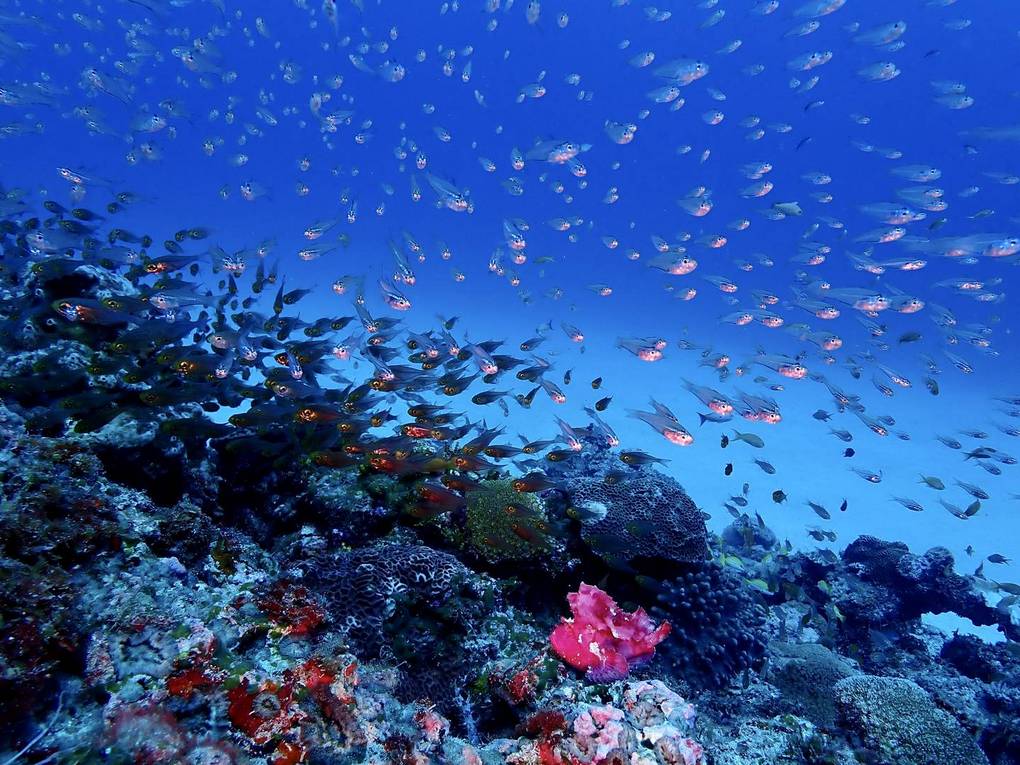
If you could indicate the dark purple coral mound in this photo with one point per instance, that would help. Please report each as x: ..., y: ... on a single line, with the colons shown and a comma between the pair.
x: 645, y: 517
x: 718, y: 626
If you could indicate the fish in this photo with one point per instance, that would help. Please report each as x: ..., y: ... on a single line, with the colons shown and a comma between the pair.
x: 638, y: 458
x: 749, y: 438
x: 819, y: 510
x: 910, y: 504
x: 975, y: 491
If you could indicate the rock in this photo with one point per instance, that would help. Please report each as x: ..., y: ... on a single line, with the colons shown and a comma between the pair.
x: 888, y: 585
x: 744, y: 533
x: 782, y: 739
x: 806, y: 674
x: 899, y: 722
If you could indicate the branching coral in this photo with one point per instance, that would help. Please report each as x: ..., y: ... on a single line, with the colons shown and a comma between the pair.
x: 718, y: 626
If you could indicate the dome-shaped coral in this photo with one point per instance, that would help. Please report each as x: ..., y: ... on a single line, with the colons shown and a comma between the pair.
x: 504, y: 524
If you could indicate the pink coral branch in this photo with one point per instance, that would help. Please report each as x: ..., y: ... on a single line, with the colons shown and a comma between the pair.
x: 603, y: 640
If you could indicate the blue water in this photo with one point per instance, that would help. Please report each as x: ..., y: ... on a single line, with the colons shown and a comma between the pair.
x: 182, y: 189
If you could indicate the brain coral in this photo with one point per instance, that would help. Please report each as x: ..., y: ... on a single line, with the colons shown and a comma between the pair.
x: 366, y: 588
x: 901, y: 723
x: 647, y: 516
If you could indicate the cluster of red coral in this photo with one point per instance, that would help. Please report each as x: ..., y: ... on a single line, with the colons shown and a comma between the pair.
x: 603, y: 640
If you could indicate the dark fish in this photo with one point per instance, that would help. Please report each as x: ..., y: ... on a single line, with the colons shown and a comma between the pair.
x: 558, y: 455
x: 728, y: 470
x: 487, y: 397
x: 636, y: 457
x: 779, y: 496
x: 596, y: 383
x: 975, y: 491
x: 603, y: 403
x: 820, y: 511
x: 849, y: 452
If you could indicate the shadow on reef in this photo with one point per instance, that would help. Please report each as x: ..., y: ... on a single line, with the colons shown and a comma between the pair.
x: 346, y: 571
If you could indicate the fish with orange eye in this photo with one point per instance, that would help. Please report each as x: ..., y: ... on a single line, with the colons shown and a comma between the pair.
x: 90, y: 312
x: 532, y: 482
x: 334, y: 459
x: 384, y: 464
x: 533, y: 447
x: 500, y: 451
x: 440, y: 496
x: 458, y: 385
x: 424, y: 410
x: 314, y: 413
x: 558, y: 455
x: 464, y: 462
x: 459, y: 482
x: 379, y: 419
x: 479, y: 442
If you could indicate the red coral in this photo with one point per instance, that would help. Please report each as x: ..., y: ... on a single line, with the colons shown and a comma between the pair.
x: 269, y: 712
x: 289, y: 754
x: 187, y: 681
x: 293, y: 608
x: 313, y: 674
x: 545, y: 723
x: 601, y: 639
x: 516, y: 684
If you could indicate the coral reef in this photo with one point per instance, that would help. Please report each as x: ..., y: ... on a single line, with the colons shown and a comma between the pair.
x: 639, y: 522
x: 504, y: 525
x: 208, y: 556
x: 806, y: 674
x: 899, y: 722
x: 890, y: 585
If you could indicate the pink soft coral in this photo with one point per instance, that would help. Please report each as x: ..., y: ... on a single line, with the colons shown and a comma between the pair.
x: 601, y: 639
